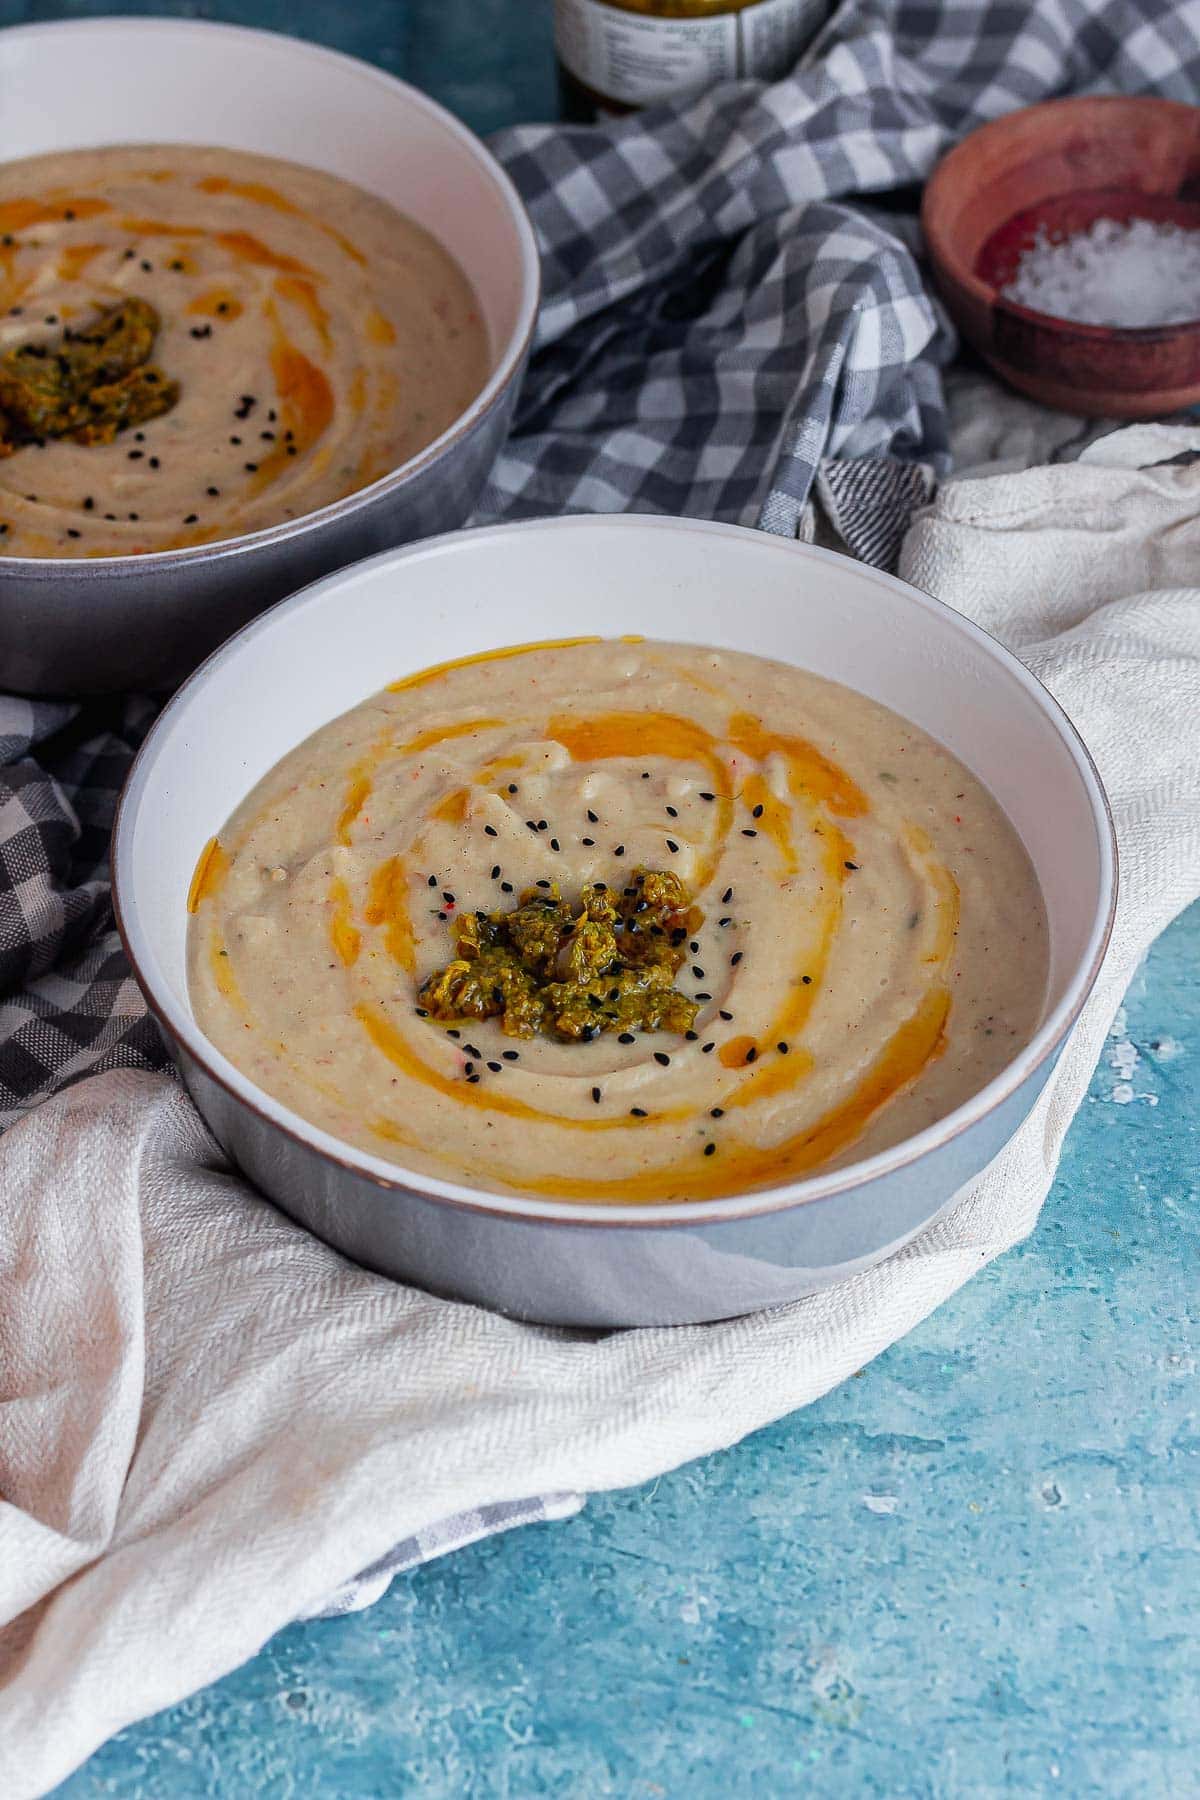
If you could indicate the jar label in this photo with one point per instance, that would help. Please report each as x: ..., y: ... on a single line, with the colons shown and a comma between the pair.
x: 637, y: 58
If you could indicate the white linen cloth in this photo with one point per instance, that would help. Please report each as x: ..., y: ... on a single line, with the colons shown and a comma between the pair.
x: 210, y: 1423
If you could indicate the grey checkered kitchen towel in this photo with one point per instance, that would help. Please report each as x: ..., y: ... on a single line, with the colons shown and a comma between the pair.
x: 727, y: 321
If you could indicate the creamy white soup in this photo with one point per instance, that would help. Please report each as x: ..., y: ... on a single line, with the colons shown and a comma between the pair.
x: 311, y: 336
x: 857, y: 941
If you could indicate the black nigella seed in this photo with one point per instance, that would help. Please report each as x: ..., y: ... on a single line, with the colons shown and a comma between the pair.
x: 511, y: 1055
x: 851, y: 865
x: 212, y: 492
x: 725, y: 921
x: 554, y: 844
x: 710, y: 1149
x: 468, y: 1068
x: 271, y: 416
x: 807, y: 980
x: 697, y: 972
x: 449, y: 898
x: 542, y: 825
x: 588, y: 841
x: 495, y: 871
x: 735, y: 959
x: 267, y: 436
x: 490, y: 831
x: 543, y: 884
x: 752, y: 1054
x: 532, y: 824
x: 71, y: 532
x: 472, y: 1079
x: 645, y: 774
x: 472, y: 1051
x: 748, y: 832
x: 154, y: 463
x: 433, y: 881
x: 134, y: 517
x: 147, y: 267
x: 593, y: 818
x: 620, y: 850
x: 512, y: 787
x: 506, y: 887
x: 694, y: 947
x: 251, y: 468
x: 235, y: 440
x: 596, y: 1095
x: 420, y: 1012
x: 707, y: 1049
x: 67, y: 213
x: 672, y: 812
x: 727, y: 896
x: 691, y: 1036
x: 625, y: 1037
x: 110, y: 515
x: 660, y: 1056
x: 135, y: 455
x: 453, y: 1033
x: 716, y: 1112
x: 757, y: 813
x: 443, y: 917
x: 699, y: 996
x: 704, y: 796
x: 727, y: 1016
x: 782, y: 1047
x: 291, y: 449
x: 638, y: 1112
x: 495, y: 1068
x: 672, y: 846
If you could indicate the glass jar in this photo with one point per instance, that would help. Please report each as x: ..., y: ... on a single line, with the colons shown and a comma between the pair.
x: 616, y: 55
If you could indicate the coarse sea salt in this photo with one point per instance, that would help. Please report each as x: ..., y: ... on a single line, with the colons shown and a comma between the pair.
x: 1141, y: 273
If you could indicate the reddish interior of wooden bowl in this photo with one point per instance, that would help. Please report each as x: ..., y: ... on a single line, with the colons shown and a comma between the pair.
x: 1065, y: 215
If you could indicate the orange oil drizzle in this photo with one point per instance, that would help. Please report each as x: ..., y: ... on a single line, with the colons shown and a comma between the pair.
x: 216, y: 303
x: 437, y: 670
x: 343, y: 935
x: 73, y: 259
x: 357, y: 795
x: 811, y: 772
x: 303, y: 294
x: 387, y: 905
x: 742, y: 1168
x: 263, y: 195
x: 451, y: 809
x: 393, y: 1045
x: 212, y: 866
x: 19, y: 214
x: 775, y: 821
x: 380, y: 330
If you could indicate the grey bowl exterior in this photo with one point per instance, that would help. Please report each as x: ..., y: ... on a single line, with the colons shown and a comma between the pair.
x: 603, y: 1274
x: 83, y: 627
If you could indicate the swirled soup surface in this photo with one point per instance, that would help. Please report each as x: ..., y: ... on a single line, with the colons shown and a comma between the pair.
x: 354, y: 335
x: 873, y: 949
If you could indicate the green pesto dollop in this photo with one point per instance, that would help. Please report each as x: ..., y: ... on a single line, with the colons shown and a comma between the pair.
x: 89, y: 385
x: 572, y: 972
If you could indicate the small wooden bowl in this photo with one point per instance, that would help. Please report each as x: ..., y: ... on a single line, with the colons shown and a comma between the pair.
x: 1059, y: 167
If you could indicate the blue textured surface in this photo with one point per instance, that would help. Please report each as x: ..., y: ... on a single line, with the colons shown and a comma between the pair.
x: 974, y: 1570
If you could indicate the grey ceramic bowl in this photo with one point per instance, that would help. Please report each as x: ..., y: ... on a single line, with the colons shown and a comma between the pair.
x: 331, y: 646
x: 112, y: 622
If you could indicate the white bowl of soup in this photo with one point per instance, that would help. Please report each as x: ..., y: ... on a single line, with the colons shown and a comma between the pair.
x: 614, y: 920
x: 263, y: 310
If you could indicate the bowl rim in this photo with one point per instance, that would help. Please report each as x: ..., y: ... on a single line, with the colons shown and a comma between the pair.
x: 952, y: 267
x: 182, y: 1029
x: 510, y: 355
